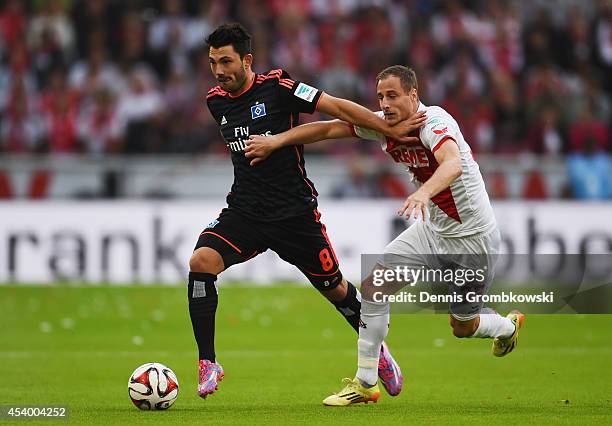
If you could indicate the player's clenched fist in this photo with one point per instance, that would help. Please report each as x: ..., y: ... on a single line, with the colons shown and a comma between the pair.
x: 260, y: 147
x: 416, y: 203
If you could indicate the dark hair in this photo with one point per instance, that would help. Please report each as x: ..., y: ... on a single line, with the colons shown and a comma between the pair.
x: 232, y: 33
x: 406, y: 75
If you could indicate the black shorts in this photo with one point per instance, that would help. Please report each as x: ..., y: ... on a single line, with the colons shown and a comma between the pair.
x: 301, y: 241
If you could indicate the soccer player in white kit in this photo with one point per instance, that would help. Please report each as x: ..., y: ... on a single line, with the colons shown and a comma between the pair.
x: 454, y: 217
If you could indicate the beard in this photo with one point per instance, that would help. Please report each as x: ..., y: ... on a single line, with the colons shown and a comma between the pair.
x: 240, y: 77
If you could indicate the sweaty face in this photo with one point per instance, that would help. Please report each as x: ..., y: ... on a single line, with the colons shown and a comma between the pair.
x: 228, y: 68
x: 395, y: 103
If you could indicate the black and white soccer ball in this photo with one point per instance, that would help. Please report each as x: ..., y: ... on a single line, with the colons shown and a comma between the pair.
x: 153, y: 386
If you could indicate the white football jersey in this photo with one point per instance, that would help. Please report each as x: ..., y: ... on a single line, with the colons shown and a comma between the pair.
x: 464, y: 207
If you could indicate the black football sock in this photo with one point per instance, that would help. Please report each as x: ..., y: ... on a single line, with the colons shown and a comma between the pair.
x: 350, y: 306
x: 203, y: 300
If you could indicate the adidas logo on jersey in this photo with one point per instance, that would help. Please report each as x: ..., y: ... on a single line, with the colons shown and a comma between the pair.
x: 223, y: 120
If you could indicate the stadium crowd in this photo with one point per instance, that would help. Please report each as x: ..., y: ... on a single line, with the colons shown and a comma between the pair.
x: 110, y: 76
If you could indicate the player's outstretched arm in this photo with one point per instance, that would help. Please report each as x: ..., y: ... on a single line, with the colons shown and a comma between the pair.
x: 260, y: 147
x: 351, y: 112
x: 449, y: 169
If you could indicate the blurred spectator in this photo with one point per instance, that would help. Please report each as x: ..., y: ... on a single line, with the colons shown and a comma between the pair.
x: 462, y: 72
x: 546, y: 136
x: 16, y: 73
x: 13, y: 23
x: 21, y: 130
x: 51, y: 25
x: 497, y: 34
x: 577, y: 52
x: 497, y: 185
x: 453, y: 26
x: 94, y: 19
x: 534, y: 186
x: 541, y: 39
x: 95, y: 73
x: 100, y: 126
x: 357, y: 185
x: 508, y: 112
x: 518, y: 76
x: 589, y: 134
x: 59, y: 106
x: 133, y: 50
x: 476, y: 121
x: 589, y: 174
x: 340, y: 80
x: 140, y: 106
x: 603, y: 39
x: 588, y: 165
x: 209, y: 15
x: 296, y: 44
x: 389, y: 185
x: 168, y: 40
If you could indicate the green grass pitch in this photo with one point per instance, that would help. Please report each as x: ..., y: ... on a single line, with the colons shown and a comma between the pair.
x: 284, y: 349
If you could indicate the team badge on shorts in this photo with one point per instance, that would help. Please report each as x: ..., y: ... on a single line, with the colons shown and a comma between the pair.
x: 258, y: 111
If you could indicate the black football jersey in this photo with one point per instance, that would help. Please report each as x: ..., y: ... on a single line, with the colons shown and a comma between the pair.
x: 278, y: 187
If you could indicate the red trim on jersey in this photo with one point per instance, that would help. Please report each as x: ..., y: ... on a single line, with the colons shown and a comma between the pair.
x: 224, y: 239
x: 287, y: 81
x: 248, y: 88
x: 299, y: 159
x: 324, y: 231
x: 255, y: 253
x: 433, y: 151
x: 352, y: 129
x: 275, y: 71
x: 323, y: 275
x: 319, y: 100
x: 271, y: 74
x: 216, y: 91
x: 445, y: 201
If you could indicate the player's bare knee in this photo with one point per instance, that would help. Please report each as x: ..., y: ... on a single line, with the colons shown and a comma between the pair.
x: 461, y: 332
x: 463, y: 329
x: 206, y: 260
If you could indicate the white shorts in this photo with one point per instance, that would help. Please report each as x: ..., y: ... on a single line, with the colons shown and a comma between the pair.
x: 419, y: 246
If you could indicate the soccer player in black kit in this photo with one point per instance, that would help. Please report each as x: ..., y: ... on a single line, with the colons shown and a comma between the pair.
x: 272, y: 205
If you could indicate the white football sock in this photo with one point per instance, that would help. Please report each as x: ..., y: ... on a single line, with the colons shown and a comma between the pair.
x: 493, y: 324
x: 375, y: 319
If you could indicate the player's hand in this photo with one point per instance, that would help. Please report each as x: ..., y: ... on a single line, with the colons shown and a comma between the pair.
x: 416, y: 203
x: 260, y: 147
x: 402, y: 129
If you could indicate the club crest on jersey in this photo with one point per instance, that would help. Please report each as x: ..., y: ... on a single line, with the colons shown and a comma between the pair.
x: 306, y: 92
x: 258, y: 111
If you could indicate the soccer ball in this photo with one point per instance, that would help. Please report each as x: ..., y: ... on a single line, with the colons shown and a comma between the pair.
x: 153, y: 386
